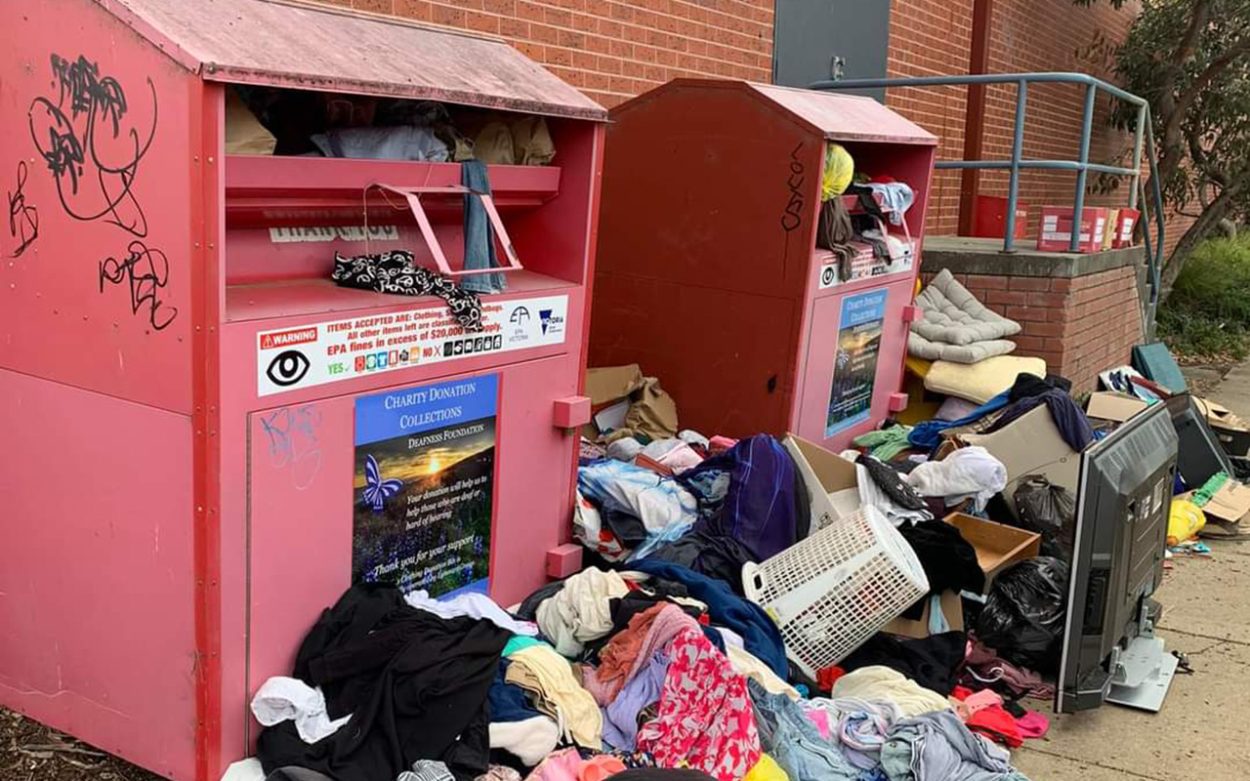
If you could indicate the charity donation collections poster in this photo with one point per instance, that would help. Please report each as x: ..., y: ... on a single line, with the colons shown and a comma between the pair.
x: 424, y: 486
x: 860, y: 327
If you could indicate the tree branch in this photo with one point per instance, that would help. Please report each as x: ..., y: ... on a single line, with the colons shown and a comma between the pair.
x: 1189, y: 42
x: 1217, y: 66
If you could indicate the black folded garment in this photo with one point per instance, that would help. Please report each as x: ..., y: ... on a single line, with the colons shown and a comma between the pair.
x: 397, y: 272
x: 932, y: 662
x: 949, y: 561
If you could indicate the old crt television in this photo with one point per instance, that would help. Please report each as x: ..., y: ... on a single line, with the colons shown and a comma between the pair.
x: 1124, y: 495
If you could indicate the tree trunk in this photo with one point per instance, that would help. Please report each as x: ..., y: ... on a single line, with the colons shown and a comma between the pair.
x: 1207, y: 222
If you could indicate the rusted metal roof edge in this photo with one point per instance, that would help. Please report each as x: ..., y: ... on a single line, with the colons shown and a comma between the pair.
x: 387, y: 19
x: 923, y: 138
x: 232, y: 75
x: 151, y: 34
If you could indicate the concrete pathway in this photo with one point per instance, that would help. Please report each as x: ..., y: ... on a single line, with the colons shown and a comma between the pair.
x: 1200, y: 733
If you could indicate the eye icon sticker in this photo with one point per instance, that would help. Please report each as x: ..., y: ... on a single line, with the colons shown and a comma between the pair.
x: 287, y: 368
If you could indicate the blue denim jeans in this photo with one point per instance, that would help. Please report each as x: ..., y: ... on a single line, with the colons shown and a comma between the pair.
x: 790, y: 738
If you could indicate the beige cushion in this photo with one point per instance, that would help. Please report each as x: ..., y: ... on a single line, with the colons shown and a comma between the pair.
x: 980, y: 382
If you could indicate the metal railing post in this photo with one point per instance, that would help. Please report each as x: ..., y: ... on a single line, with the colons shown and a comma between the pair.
x: 1082, y: 174
x: 1143, y: 196
x: 1138, y: 143
x: 1017, y: 154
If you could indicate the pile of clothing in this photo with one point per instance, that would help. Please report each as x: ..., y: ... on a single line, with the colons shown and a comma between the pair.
x: 655, y: 672
x: 652, y: 663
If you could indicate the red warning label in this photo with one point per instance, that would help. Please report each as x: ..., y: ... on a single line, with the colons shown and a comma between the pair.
x: 288, y: 338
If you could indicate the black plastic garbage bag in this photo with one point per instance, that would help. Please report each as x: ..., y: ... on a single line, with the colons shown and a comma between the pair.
x: 1024, y: 614
x: 1048, y: 510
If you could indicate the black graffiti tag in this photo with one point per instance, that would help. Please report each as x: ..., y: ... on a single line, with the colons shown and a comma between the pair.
x: 146, y: 273
x: 93, y: 151
x: 792, y: 217
x: 23, y: 218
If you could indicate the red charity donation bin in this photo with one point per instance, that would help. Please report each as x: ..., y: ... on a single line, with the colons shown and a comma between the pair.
x: 709, y: 275
x: 206, y: 440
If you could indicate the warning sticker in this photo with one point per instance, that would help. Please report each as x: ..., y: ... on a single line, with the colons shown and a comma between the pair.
x: 321, y: 353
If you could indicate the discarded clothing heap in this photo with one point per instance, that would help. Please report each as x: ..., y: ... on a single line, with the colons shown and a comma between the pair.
x: 933, y: 662
x: 886, y: 443
x: 643, y: 510
x: 397, y: 272
x: 884, y: 684
x: 939, y: 747
x: 549, y: 678
x: 704, y: 719
x: 968, y: 472
x: 415, y: 686
x: 655, y: 664
x: 984, y: 713
x: 581, y: 610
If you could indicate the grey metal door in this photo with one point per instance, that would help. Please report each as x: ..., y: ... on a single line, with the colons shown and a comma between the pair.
x: 815, y: 40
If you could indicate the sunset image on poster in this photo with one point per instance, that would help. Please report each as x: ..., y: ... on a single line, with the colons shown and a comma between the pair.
x: 855, y: 365
x: 424, y: 486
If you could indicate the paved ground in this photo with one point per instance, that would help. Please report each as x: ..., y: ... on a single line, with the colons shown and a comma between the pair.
x: 1199, y: 734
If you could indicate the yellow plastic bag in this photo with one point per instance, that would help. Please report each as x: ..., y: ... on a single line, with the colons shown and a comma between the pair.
x: 766, y: 769
x: 1184, y: 521
x: 839, y: 172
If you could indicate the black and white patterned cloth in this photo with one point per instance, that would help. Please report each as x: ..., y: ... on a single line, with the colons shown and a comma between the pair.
x: 396, y: 272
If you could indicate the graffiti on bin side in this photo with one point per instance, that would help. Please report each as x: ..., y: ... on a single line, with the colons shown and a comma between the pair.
x: 93, y: 151
x: 792, y: 217
x: 23, y: 217
x: 145, y: 273
x: 91, y: 145
x: 293, y: 442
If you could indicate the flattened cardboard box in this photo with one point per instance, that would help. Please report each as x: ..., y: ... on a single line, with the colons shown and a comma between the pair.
x: 1031, y: 445
x: 824, y: 473
x: 1231, y: 503
x: 1117, y: 407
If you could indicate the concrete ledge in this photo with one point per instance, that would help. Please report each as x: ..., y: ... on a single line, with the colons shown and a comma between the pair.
x: 985, y: 256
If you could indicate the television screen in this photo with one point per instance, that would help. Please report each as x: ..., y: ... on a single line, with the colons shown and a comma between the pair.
x: 1124, y: 494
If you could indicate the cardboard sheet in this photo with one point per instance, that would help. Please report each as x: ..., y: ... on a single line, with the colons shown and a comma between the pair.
x: 824, y: 473
x: 1109, y: 405
x: 1230, y: 503
x: 651, y: 411
x: 952, y: 609
x: 1031, y: 445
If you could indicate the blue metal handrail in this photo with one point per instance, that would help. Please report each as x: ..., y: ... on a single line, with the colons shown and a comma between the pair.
x: 1143, y: 141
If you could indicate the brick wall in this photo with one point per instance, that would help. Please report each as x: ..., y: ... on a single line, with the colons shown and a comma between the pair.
x: 614, y: 49
x: 1079, y: 325
x: 933, y: 37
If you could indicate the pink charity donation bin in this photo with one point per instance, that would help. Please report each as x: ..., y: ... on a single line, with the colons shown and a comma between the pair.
x: 206, y: 438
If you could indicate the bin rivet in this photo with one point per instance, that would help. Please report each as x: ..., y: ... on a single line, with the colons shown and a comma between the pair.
x: 210, y: 160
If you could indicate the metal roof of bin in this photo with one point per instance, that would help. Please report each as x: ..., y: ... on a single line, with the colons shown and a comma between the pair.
x: 300, y: 45
x: 836, y: 116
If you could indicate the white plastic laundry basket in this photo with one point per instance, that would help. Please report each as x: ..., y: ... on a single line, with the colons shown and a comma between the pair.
x: 832, y: 591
